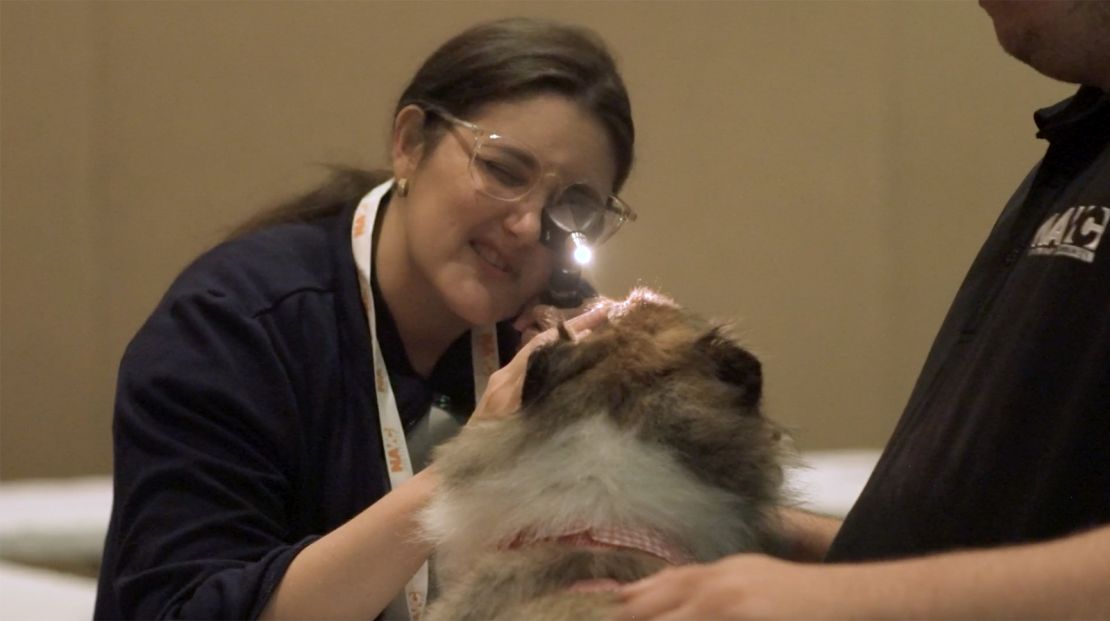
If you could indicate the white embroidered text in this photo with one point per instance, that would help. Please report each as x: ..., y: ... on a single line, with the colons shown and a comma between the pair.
x: 1074, y: 233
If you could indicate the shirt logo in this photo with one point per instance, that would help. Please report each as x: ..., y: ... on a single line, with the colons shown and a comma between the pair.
x: 1074, y: 233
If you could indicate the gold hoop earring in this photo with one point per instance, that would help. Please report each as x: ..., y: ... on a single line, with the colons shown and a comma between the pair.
x: 402, y: 187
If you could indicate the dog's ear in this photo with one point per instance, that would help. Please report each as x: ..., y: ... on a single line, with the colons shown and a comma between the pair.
x: 733, y: 364
x: 536, y: 375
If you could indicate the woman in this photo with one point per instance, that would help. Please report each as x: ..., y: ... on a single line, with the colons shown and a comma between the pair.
x: 252, y: 478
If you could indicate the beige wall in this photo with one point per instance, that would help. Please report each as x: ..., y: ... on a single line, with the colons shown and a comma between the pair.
x: 820, y: 172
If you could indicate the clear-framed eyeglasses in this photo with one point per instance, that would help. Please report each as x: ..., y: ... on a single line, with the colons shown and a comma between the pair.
x: 507, y: 170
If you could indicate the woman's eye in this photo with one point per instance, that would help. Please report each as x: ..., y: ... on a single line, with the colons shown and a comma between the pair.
x: 504, y: 174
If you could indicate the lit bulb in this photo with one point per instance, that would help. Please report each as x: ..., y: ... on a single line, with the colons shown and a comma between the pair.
x: 582, y: 252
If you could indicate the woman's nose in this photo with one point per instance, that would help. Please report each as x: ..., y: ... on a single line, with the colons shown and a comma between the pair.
x: 526, y: 220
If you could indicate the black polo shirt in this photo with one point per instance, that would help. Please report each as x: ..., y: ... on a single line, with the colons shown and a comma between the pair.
x: 1006, y: 436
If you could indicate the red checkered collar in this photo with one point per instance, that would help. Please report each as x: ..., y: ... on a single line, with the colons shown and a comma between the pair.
x: 646, y: 541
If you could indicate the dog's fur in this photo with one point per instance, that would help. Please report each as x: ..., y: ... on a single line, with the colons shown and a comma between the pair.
x: 650, y: 424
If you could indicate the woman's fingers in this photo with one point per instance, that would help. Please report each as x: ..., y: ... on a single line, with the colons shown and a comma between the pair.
x: 542, y: 317
x: 502, y: 396
x: 588, y: 319
x: 536, y: 318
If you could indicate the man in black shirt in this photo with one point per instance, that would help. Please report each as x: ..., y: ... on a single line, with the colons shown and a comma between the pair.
x: 992, y: 498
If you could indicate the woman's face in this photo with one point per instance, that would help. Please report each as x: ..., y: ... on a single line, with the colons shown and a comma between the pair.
x: 481, y: 255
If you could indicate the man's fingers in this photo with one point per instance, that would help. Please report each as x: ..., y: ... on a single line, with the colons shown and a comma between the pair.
x: 646, y: 603
x: 660, y: 580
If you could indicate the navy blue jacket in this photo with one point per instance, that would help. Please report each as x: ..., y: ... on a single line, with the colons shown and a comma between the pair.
x: 246, y: 424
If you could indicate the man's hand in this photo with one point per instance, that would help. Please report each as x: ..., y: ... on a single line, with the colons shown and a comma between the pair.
x: 745, y: 586
x: 1058, y: 579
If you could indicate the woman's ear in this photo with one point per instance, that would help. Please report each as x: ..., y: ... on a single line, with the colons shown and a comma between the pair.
x: 408, y: 141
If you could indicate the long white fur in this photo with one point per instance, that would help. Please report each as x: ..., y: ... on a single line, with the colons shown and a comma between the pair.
x: 590, y: 473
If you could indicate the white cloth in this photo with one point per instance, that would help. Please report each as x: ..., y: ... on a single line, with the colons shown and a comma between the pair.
x: 29, y: 593
x: 43, y: 520
x: 828, y: 482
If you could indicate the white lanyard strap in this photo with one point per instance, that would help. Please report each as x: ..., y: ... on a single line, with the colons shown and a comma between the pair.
x: 484, y: 356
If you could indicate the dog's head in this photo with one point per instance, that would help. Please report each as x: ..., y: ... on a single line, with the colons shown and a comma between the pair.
x: 652, y: 421
x: 669, y: 376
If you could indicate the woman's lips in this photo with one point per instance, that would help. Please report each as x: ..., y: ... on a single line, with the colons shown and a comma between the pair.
x: 492, y: 257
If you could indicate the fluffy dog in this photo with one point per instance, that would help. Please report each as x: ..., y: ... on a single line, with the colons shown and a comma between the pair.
x: 639, y: 446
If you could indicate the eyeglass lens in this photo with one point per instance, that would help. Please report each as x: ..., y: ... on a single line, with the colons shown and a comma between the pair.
x: 579, y: 208
x: 508, y: 171
x: 504, y: 170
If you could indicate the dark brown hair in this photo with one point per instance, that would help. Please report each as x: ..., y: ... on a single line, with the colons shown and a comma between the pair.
x: 493, y: 61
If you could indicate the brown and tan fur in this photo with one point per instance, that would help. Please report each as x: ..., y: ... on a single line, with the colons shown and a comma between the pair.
x: 652, y: 422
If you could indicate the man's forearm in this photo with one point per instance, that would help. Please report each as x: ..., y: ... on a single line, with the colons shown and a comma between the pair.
x: 1059, y: 579
x: 806, y: 536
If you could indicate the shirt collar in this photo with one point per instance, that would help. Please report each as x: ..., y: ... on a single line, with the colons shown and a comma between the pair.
x: 1088, y: 109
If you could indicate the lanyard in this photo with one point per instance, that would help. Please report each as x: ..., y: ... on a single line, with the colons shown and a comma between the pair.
x: 484, y: 356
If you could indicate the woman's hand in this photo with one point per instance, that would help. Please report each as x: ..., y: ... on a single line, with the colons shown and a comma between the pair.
x: 502, y: 396
x: 542, y: 317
